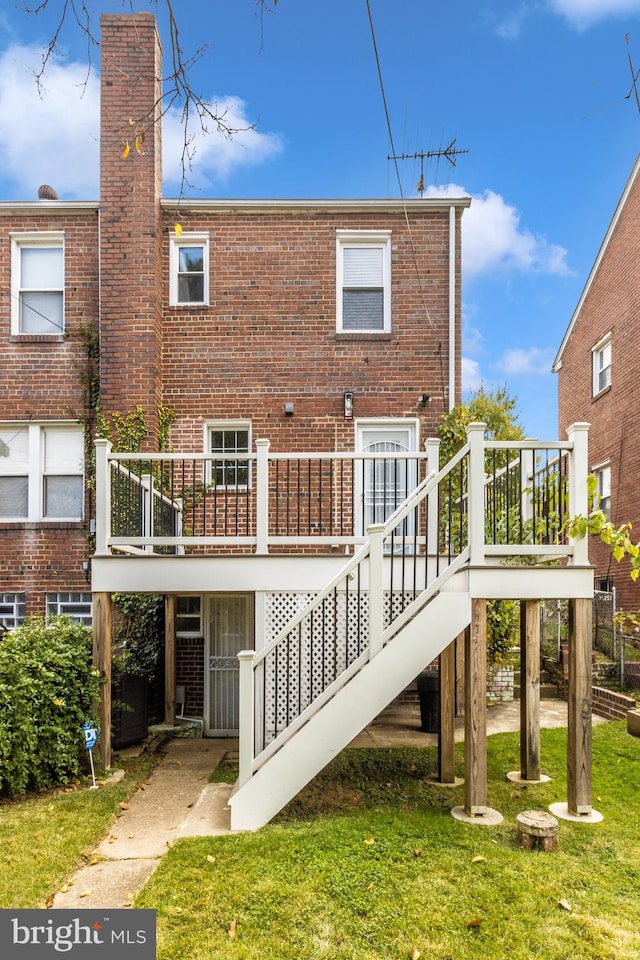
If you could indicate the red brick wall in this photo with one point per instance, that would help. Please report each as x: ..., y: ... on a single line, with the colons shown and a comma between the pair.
x: 269, y: 334
x: 190, y: 673
x: 44, y: 379
x: 130, y: 190
x: 612, y: 305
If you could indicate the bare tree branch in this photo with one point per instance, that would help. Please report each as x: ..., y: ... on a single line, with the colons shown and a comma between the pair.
x: 178, y: 91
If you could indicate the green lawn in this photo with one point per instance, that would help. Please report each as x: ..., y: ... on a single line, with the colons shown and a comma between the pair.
x: 43, y: 839
x: 368, y: 863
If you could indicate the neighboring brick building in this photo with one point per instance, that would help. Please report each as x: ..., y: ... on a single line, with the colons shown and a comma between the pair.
x: 598, y: 367
x: 245, y: 310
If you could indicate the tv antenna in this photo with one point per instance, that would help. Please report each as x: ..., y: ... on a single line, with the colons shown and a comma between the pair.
x: 634, y: 76
x: 450, y: 153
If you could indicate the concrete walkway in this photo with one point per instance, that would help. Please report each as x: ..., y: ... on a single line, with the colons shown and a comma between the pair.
x: 179, y: 802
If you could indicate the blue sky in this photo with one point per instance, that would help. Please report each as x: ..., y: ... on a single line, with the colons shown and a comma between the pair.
x: 535, y: 90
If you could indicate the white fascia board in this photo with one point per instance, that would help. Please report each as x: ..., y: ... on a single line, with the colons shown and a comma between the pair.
x: 187, y: 205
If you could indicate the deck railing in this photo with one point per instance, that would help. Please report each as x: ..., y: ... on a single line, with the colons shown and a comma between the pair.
x: 256, y: 503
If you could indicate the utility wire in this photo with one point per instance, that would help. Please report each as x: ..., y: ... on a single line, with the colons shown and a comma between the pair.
x: 395, y: 162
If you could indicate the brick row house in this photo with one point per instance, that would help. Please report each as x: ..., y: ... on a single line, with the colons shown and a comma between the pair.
x: 598, y: 364
x: 291, y: 359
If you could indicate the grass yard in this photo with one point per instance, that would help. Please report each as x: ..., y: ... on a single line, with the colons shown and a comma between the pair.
x: 44, y: 838
x: 368, y: 864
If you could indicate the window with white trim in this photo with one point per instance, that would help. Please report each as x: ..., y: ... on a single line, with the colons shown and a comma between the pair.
x: 37, y: 283
x: 12, y: 610
x: 189, y: 269
x: 189, y: 616
x: 225, y: 439
x: 41, y: 471
x: 602, y: 474
x: 75, y: 604
x: 602, y: 365
x: 363, y: 296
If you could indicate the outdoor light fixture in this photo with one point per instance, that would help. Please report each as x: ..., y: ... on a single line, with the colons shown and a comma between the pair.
x: 348, y: 405
x: 288, y: 409
x: 423, y: 399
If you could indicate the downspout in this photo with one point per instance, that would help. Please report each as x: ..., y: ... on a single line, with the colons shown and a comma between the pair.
x: 452, y: 307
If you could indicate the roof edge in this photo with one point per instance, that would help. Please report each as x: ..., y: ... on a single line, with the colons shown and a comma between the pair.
x: 431, y: 203
x: 557, y: 363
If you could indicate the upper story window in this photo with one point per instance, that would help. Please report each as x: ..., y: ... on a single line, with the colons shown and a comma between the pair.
x: 602, y: 474
x: 223, y: 441
x: 363, y: 282
x: 189, y: 269
x: 602, y: 365
x: 41, y: 472
x: 37, y: 283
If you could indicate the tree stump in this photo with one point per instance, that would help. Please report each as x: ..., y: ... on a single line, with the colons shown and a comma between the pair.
x: 537, y: 830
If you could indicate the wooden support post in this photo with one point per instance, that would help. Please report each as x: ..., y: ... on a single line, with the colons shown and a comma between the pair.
x: 530, y: 689
x: 460, y: 642
x: 579, y: 708
x: 102, y: 662
x: 170, y: 659
x: 447, y: 724
x: 475, y: 715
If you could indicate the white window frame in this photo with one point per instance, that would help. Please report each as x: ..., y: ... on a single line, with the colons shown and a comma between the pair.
x: 36, y: 469
x: 375, y: 239
x: 602, y: 365
x: 227, y: 426
x: 33, y: 240
x: 77, y: 604
x: 187, y: 240
x: 12, y: 610
x: 602, y: 473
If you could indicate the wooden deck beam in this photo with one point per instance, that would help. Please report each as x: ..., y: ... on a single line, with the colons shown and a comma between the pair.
x: 475, y: 712
x: 579, y: 709
x: 530, y: 689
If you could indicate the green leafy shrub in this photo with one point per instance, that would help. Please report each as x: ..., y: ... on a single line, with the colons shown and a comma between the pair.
x: 47, y: 692
x: 503, y: 629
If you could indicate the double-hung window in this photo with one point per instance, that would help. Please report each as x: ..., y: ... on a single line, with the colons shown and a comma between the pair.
x: 363, y: 282
x: 602, y: 474
x: 224, y: 441
x: 37, y: 283
x: 41, y: 471
x: 602, y: 365
x: 189, y: 269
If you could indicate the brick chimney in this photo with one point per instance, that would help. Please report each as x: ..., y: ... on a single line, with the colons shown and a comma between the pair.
x: 130, y: 235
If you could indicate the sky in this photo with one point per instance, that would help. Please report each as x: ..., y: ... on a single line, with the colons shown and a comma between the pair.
x: 539, y: 92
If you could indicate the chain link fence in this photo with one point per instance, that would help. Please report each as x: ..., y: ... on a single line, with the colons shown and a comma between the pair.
x: 616, y: 653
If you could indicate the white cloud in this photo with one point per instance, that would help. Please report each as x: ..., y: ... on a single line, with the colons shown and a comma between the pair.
x: 51, y: 138
x: 54, y: 138
x: 493, y: 238
x: 215, y: 156
x: 583, y: 13
x: 519, y: 362
x: 471, y: 376
x: 472, y: 340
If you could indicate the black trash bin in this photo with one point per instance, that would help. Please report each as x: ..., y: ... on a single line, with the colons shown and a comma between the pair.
x: 429, y: 695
